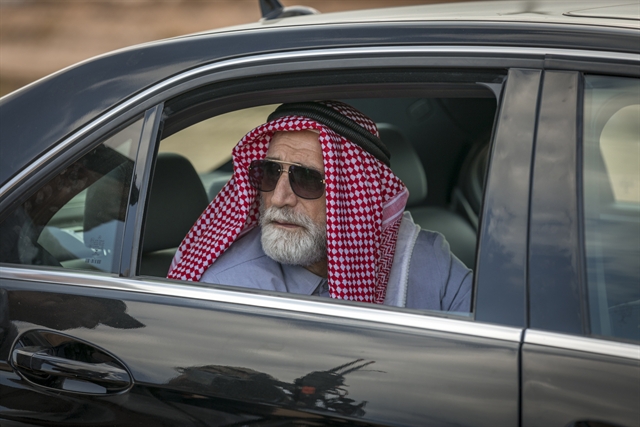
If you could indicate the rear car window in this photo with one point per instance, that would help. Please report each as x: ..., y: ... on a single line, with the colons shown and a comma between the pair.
x: 612, y: 204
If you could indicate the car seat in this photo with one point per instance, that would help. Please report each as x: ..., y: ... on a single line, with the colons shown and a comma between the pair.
x: 406, y: 164
x: 466, y: 198
x: 176, y: 200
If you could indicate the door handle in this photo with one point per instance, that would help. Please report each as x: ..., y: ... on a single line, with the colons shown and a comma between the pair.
x: 37, y: 360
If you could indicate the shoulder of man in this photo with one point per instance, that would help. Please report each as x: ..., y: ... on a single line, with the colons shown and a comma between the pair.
x: 437, y: 279
x: 244, y: 251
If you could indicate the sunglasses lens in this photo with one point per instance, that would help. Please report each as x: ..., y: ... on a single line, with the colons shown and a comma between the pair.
x: 264, y: 174
x: 306, y: 183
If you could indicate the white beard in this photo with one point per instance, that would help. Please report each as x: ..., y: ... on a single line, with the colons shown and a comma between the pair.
x: 303, y: 246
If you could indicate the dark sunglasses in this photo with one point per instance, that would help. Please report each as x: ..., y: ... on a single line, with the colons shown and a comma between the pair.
x: 306, y: 183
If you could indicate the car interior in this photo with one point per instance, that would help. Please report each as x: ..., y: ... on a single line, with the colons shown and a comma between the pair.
x: 438, y: 135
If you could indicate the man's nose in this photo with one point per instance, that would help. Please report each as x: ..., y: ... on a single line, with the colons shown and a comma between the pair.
x: 283, y: 195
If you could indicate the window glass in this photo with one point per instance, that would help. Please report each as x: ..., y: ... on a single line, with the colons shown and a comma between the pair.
x: 76, y: 219
x: 612, y: 204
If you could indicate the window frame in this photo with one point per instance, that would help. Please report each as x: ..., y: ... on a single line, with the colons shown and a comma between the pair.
x: 237, y: 98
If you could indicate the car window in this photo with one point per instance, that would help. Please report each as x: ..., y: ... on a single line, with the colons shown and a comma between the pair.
x: 207, y: 144
x: 612, y: 204
x: 76, y: 219
x: 436, y: 150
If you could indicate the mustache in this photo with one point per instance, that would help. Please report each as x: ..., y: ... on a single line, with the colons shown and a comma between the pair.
x: 284, y: 214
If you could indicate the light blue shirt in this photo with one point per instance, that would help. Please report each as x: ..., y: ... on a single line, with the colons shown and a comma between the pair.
x: 437, y: 279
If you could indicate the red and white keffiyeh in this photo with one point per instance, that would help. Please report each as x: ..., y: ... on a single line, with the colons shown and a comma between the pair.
x: 364, y: 202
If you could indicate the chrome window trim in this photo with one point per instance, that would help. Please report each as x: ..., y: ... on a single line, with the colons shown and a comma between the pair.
x: 307, y: 54
x: 582, y: 344
x: 319, y: 306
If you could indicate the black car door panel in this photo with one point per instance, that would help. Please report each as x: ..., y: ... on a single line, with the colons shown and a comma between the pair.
x: 239, y: 361
x: 201, y: 355
x: 571, y: 380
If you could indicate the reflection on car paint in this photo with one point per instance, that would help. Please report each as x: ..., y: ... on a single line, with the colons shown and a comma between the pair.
x: 35, y: 308
x: 326, y: 390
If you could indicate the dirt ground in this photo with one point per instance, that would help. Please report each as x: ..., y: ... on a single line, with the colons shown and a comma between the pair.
x: 39, y: 37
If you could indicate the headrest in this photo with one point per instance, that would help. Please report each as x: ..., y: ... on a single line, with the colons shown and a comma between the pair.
x: 405, y: 163
x: 176, y: 201
x: 472, y: 175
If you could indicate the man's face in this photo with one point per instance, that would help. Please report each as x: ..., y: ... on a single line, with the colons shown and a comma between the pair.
x: 293, y: 228
x: 303, y: 148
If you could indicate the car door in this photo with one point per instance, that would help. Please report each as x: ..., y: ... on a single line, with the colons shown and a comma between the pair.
x: 580, y: 357
x: 83, y: 345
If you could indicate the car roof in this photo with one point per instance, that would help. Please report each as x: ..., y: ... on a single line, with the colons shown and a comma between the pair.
x: 40, y: 115
x: 612, y: 13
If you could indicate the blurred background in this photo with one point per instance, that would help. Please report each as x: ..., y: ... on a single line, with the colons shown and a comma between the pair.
x: 39, y: 37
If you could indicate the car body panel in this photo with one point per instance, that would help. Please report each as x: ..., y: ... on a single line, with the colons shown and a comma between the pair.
x: 568, y: 379
x: 243, y: 347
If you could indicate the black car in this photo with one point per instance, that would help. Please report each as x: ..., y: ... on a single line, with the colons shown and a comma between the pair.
x: 515, y: 126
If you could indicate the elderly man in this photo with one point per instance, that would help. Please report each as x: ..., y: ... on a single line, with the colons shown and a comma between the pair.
x: 313, y: 208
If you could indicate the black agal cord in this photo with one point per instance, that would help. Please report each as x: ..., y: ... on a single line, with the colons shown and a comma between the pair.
x: 339, y: 123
